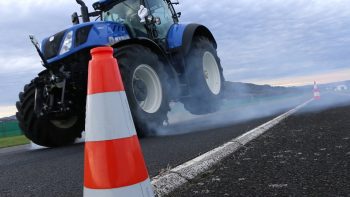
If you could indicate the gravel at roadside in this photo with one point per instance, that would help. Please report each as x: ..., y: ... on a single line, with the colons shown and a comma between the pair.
x: 308, y: 154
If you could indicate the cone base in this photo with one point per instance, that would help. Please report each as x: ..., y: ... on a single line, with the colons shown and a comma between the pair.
x: 143, y: 189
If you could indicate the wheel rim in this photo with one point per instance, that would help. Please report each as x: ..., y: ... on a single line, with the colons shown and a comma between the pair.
x: 66, y: 123
x: 211, y: 73
x: 147, y: 88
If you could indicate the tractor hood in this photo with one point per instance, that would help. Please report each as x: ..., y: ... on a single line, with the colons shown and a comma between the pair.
x: 82, y: 36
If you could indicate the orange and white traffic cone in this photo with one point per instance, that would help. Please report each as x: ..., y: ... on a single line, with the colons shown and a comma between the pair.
x: 114, y: 164
x: 317, y: 94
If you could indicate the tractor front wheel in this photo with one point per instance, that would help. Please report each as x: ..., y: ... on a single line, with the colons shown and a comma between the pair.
x: 43, y: 130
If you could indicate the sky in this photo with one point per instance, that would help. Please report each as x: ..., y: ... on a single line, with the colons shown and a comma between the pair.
x: 276, y: 42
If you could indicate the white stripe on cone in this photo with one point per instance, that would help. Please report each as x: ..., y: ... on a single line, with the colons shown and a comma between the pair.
x: 108, y: 117
x: 140, y: 189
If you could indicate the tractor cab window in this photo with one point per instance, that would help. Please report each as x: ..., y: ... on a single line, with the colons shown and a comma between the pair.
x: 126, y: 13
x: 159, y: 8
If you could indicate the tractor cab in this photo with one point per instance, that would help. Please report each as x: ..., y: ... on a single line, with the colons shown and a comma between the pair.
x: 148, y: 18
x: 126, y: 12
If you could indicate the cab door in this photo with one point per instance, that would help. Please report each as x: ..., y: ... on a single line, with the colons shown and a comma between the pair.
x: 159, y: 8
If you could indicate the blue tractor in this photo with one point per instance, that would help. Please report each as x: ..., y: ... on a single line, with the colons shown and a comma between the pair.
x: 161, y: 61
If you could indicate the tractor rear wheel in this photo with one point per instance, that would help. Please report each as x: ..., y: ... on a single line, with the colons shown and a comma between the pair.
x: 41, y: 129
x: 205, y: 75
x: 146, y: 86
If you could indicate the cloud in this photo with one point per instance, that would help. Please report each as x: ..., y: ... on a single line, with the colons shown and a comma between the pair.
x: 258, y: 40
x: 19, y: 62
x: 15, y: 64
x: 272, y: 39
x: 12, y: 83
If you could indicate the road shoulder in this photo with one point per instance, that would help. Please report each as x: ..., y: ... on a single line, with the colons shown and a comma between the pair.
x: 306, y: 155
x: 182, y: 174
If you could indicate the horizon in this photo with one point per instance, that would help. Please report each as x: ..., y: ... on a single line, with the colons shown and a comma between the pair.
x: 10, y: 110
x: 325, y: 78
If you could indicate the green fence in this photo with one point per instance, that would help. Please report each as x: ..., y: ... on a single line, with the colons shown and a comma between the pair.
x: 9, y: 129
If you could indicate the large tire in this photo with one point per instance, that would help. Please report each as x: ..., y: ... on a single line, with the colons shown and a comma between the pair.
x: 42, y: 130
x: 136, y: 63
x: 205, y: 76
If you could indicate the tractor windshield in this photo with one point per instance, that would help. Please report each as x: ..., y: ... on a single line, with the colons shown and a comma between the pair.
x: 126, y: 13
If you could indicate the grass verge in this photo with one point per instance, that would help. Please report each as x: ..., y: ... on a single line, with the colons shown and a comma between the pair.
x: 13, y: 141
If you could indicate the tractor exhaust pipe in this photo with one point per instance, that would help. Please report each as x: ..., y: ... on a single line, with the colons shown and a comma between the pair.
x: 84, y: 11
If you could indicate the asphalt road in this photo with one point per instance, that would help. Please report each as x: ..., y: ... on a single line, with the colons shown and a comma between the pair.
x: 308, y: 154
x: 59, y: 172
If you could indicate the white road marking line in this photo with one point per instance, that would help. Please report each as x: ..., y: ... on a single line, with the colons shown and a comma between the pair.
x: 168, y: 182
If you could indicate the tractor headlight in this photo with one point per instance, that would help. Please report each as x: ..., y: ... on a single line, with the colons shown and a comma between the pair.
x: 67, y: 43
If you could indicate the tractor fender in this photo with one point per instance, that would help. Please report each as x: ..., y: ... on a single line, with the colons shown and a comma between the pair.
x: 143, y: 42
x: 181, y: 36
x: 195, y: 30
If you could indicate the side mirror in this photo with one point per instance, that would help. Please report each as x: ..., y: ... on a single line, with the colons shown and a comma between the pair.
x: 75, y: 18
